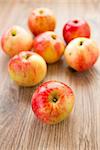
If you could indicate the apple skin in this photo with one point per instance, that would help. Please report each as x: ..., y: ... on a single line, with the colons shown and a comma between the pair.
x: 81, y: 54
x: 52, y: 102
x: 27, y: 68
x: 15, y: 40
x: 49, y: 46
x: 41, y: 20
x: 76, y: 28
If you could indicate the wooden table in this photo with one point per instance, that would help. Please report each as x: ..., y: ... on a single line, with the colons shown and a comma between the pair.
x: 19, y: 129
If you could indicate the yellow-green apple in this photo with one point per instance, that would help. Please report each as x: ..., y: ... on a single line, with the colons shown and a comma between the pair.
x: 41, y: 20
x: 52, y: 102
x: 81, y: 54
x: 49, y: 46
x: 15, y: 40
x: 27, y: 68
x: 76, y: 28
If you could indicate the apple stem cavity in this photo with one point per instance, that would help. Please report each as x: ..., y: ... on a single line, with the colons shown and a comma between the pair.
x: 75, y: 21
x: 53, y: 37
x: 13, y: 33
x: 70, y: 53
x: 41, y: 11
x: 81, y: 43
x: 55, y: 99
x: 26, y: 56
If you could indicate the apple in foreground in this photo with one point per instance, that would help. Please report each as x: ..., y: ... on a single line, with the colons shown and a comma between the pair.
x: 49, y: 46
x: 15, y: 40
x: 52, y: 102
x: 27, y: 68
x: 76, y: 28
x: 81, y: 54
x: 41, y: 20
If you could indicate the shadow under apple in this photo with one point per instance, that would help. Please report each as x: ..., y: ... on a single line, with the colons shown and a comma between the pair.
x: 85, y: 78
x: 56, y: 134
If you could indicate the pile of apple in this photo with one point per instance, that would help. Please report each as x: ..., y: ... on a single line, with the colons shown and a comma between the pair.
x: 53, y: 101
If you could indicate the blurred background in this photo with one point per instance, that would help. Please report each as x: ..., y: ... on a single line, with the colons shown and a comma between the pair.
x: 16, y: 12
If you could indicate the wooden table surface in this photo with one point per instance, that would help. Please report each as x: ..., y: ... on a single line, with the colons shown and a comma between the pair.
x: 19, y: 129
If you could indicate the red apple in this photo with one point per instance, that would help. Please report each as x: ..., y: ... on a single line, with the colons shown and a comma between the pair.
x: 15, y: 40
x: 81, y: 54
x: 41, y: 20
x: 76, y: 28
x: 27, y: 68
x: 52, y: 102
x: 49, y: 46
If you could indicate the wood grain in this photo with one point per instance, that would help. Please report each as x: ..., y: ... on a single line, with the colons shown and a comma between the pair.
x: 19, y: 129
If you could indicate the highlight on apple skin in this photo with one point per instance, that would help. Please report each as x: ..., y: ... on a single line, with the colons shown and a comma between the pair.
x: 41, y: 20
x: 15, y: 40
x: 81, y: 54
x: 49, y: 46
x: 27, y: 68
x: 76, y: 28
x: 52, y: 102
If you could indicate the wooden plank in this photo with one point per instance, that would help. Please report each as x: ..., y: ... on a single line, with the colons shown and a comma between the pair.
x: 19, y: 129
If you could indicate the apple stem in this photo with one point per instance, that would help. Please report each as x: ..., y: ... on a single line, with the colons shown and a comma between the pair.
x: 75, y: 21
x: 41, y: 11
x: 81, y: 43
x: 53, y: 36
x: 13, y: 33
x: 26, y: 56
x: 55, y: 99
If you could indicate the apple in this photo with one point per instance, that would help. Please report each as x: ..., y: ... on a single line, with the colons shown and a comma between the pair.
x: 81, y: 54
x: 41, y: 20
x: 52, y: 102
x: 76, y: 28
x: 49, y: 46
x: 27, y: 68
x: 15, y: 40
